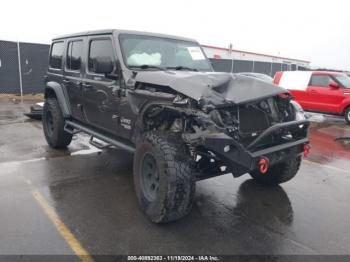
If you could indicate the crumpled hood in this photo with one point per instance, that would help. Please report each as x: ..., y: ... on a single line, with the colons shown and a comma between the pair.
x: 214, y: 88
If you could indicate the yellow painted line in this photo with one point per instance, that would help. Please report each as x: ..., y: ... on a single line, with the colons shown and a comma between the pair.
x: 68, y: 236
x: 326, y: 166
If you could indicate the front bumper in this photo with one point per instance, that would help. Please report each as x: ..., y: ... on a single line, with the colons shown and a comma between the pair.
x: 245, y: 159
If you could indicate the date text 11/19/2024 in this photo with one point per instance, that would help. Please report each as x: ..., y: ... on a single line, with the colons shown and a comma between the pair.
x: 174, y: 258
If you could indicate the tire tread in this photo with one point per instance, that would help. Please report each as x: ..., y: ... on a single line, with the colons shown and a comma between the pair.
x: 177, y: 168
x: 60, y: 139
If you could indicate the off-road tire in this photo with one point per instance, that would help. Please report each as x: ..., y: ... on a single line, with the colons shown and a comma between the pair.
x: 347, y: 115
x: 279, y: 173
x: 174, y: 199
x: 53, y: 125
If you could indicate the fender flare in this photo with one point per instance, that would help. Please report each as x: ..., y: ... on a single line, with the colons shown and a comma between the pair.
x: 346, y: 108
x: 345, y: 105
x: 57, y: 89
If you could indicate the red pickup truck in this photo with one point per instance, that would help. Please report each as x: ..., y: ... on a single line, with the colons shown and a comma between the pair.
x: 318, y: 91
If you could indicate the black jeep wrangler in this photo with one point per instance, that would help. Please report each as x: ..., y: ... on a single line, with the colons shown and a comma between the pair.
x: 158, y: 97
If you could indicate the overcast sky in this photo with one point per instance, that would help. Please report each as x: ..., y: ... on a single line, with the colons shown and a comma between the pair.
x: 318, y: 31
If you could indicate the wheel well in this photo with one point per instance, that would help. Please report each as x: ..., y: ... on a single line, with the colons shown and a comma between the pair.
x: 346, y: 108
x: 50, y: 93
x: 159, y: 117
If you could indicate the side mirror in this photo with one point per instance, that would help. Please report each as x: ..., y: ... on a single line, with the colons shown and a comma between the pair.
x: 103, y: 65
x: 334, y: 85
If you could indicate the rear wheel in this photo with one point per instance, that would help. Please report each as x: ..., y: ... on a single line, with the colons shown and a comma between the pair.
x: 53, y: 125
x: 347, y: 115
x: 163, y: 178
x: 279, y: 173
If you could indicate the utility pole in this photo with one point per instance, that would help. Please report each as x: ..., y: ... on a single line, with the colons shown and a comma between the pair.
x: 20, y: 70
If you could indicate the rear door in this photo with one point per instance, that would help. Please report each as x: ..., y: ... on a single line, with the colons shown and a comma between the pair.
x: 323, y: 97
x: 100, y: 94
x: 55, y: 71
x: 73, y: 76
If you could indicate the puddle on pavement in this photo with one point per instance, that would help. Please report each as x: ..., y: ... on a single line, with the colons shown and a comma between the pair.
x: 330, y: 142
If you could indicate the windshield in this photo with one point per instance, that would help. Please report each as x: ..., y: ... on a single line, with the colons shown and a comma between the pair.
x: 343, y: 80
x: 144, y: 52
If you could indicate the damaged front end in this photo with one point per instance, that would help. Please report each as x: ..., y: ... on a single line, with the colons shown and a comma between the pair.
x: 247, y: 137
x: 226, y: 129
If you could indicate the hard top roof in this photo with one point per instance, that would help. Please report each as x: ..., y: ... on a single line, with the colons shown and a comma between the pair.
x: 327, y: 73
x: 118, y: 31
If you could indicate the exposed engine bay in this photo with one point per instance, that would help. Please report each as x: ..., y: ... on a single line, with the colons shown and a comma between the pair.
x: 242, y: 122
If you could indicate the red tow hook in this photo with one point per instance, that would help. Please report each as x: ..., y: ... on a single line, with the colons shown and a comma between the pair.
x: 307, y: 149
x: 263, y: 165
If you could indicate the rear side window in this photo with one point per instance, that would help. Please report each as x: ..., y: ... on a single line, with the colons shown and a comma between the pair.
x: 74, y: 55
x: 100, y: 48
x: 56, y: 55
x: 320, y: 80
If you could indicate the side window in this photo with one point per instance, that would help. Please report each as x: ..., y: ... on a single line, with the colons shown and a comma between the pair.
x: 99, y: 48
x: 56, y: 55
x: 320, y: 80
x: 74, y: 55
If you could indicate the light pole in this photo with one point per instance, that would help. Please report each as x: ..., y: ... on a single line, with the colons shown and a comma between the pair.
x: 20, y: 70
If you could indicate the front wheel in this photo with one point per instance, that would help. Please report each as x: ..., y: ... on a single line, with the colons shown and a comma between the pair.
x: 347, y: 115
x: 53, y: 125
x: 279, y: 173
x: 163, y: 178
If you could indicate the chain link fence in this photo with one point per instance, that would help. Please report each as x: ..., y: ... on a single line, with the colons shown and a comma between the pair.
x: 239, y: 66
x: 22, y: 67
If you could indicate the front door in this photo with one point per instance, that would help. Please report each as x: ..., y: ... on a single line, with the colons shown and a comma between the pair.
x: 323, y: 97
x: 100, y: 94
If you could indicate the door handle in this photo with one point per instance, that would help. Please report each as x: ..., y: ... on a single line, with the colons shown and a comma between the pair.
x: 65, y: 81
x: 313, y: 91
